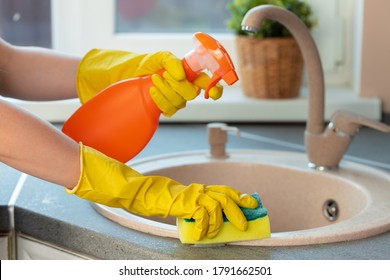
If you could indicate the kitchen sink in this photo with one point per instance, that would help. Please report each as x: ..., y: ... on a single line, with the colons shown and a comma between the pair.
x: 305, y: 206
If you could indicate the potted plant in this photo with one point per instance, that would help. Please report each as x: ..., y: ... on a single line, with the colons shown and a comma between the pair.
x: 270, y: 62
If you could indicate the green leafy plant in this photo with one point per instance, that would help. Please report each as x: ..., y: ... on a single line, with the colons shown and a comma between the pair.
x: 238, y: 9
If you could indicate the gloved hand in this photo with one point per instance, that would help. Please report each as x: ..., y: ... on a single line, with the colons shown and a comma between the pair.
x: 101, y: 68
x: 109, y: 182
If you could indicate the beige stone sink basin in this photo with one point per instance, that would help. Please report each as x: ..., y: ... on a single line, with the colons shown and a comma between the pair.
x: 305, y: 206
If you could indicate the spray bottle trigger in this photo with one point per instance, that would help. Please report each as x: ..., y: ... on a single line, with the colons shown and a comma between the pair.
x: 213, y: 81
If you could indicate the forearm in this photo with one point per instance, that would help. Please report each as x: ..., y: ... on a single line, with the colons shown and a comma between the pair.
x: 36, y: 73
x: 37, y: 148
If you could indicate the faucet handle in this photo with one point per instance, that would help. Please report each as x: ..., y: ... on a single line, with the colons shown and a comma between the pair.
x: 327, y: 149
x: 347, y: 124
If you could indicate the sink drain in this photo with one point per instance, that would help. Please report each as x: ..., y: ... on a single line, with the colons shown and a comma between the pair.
x: 331, y: 210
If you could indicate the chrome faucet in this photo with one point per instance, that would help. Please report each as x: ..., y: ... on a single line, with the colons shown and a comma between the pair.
x: 325, y: 147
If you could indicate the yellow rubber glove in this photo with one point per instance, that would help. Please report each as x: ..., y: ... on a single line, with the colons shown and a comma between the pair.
x: 112, y: 183
x: 171, y: 95
x: 101, y: 68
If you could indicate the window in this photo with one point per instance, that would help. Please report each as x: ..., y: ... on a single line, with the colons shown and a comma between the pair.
x: 150, y: 25
x: 26, y: 22
x: 153, y: 25
x: 170, y: 16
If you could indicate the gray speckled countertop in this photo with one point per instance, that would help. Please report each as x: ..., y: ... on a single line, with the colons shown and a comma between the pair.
x: 9, y: 178
x: 45, y: 212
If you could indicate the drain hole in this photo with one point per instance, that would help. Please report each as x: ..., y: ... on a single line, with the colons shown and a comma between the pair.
x: 331, y: 210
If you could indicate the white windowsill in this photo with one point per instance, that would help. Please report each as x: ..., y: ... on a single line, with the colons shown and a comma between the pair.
x: 234, y: 106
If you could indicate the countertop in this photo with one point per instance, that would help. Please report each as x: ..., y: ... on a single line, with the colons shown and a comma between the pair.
x: 45, y: 212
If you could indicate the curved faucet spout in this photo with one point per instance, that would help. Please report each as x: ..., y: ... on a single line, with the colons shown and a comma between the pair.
x: 324, y: 147
x: 252, y: 22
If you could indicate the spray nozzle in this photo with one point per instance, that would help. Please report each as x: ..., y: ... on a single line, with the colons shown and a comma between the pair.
x: 210, y: 55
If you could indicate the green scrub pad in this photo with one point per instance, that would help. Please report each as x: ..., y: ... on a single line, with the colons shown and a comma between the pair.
x: 258, y: 228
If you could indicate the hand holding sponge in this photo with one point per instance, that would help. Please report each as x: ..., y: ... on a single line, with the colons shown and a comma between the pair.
x: 258, y: 227
x: 112, y: 183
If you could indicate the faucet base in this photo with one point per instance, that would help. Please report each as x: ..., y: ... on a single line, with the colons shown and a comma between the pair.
x: 322, y: 168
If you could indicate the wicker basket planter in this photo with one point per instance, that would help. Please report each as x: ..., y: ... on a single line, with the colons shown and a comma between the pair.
x: 269, y: 68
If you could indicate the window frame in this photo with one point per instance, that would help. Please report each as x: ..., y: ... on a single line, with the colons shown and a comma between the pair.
x: 82, y: 33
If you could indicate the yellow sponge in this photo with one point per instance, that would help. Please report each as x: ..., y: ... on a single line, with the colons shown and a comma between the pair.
x: 258, y: 228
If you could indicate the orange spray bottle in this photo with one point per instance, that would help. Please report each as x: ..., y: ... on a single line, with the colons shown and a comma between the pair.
x: 121, y: 119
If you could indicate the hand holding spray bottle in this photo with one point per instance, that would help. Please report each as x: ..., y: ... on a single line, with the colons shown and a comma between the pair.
x: 122, y: 118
